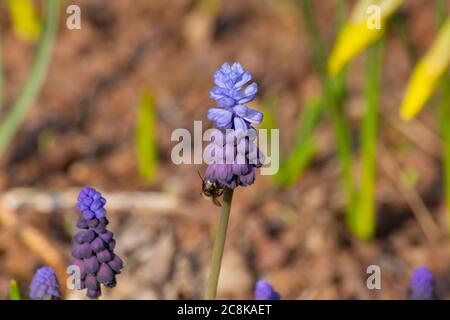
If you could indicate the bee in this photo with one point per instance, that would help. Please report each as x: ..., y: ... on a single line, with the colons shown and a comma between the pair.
x: 211, y: 190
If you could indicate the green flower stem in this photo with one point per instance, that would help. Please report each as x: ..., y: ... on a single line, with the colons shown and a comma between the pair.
x: 219, y: 245
x: 35, y: 80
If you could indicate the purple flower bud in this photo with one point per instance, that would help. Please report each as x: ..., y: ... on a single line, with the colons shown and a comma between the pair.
x: 112, y: 244
x: 92, y: 223
x: 44, y: 285
x: 422, y: 284
x: 91, y: 264
x: 104, y: 256
x: 264, y: 291
x: 93, y: 294
x: 98, y: 245
x: 80, y: 264
x: 84, y: 236
x: 91, y: 282
x: 81, y: 250
x: 82, y: 224
x: 106, y: 236
x: 248, y: 179
x: 93, y: 247
x: 105, y: 274
x: 116, y: 264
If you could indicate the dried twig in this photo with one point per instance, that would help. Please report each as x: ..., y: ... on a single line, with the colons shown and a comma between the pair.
x: 391, y: 166
x: 423, y: 137
x: 133, y: 202
x: 36, y: 241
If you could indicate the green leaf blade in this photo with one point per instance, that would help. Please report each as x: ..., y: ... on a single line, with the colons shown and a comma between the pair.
x: 14, y: 291
x: 145, y: 140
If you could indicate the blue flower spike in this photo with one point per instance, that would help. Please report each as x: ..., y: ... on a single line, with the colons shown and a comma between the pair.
x: 45, y: 285
x: 265, y: 291
x: 422, y: 284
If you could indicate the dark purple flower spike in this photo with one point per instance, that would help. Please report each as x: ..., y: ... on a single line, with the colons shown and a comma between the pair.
x: 45, y: 285
x: 93, y: 246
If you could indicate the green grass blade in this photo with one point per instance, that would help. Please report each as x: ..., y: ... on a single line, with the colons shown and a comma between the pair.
x: 14, y: 292
x: 334, y: 97
x: 441, y: 11
x: 304, y: 148
x: 317, y: 46
x: 36, y: 78
x: 444, y: 118
x: 341, y: 14
x: 268, y: 109
x: 145, y: 143
x: 364, y: 220
x: 2, y: 75
x: 343, y: 137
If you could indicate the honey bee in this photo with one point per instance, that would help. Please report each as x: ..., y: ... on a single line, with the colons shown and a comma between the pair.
x: 211, y: 190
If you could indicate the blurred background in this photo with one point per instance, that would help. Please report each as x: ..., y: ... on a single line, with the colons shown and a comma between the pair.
x: 97, y: 106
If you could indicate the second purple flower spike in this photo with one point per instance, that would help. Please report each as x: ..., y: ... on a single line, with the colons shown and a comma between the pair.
x: 93, y: 247
x: 45, y: 285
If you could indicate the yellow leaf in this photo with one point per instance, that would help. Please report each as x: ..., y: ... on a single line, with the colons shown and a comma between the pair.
x: 26, y: 22
x: 426, y: 74
x: 358, y: 33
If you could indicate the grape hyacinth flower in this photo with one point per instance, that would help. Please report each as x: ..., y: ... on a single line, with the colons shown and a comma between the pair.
x: 265, y: 291
x: 232, y: 155
x: 422, y: 284
x: 93, y: 246
x: 44, y: 285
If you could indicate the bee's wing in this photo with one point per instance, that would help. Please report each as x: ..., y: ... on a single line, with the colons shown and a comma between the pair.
x: 216, y: 202
x: 200, y: 175
x: 205, y: 196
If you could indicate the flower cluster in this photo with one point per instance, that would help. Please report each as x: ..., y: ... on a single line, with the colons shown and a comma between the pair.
x: 264, y: 291
x: 44, y: 285
x: 232, y: 155
x: 232, y: 113
x: 422, y: 284
x: 93, y: 247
